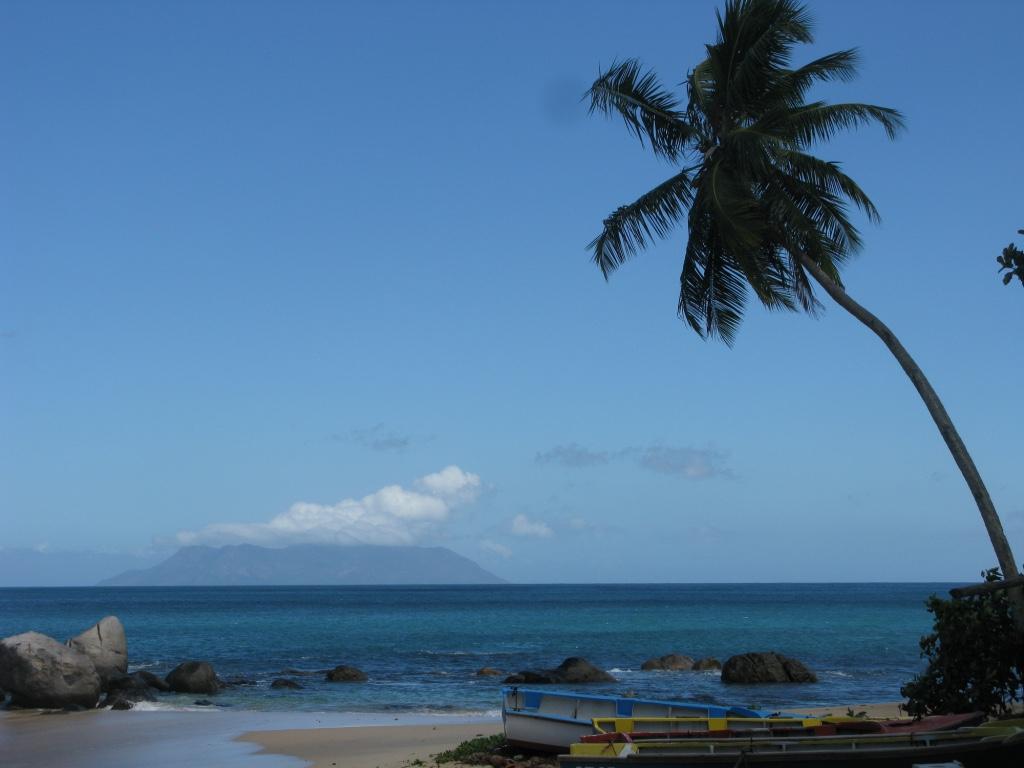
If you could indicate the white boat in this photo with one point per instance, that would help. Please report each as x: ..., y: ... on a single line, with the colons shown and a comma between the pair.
x: 552, y: 720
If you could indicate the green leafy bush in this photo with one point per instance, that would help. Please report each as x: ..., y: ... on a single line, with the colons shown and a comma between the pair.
x: 471, y: 747
x: 975, y: 657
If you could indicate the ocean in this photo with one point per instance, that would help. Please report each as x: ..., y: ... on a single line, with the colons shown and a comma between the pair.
x: 421, y: 646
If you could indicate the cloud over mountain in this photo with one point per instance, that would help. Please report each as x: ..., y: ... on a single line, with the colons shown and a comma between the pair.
x: 390, y: 515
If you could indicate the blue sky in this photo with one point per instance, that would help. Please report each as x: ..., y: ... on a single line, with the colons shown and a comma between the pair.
x: 259, y: 254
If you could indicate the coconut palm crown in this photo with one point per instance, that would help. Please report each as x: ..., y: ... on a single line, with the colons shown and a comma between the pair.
x: 762, y: 213
x: 757, y: 203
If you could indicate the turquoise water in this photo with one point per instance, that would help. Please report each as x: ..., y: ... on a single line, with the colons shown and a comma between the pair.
x: 421, y: 646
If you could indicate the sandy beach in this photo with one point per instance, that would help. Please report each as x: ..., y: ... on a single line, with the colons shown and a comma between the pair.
x: 399, y: 746
x: 368, y: 747
x: 262, y: 740
x: 162, y: 739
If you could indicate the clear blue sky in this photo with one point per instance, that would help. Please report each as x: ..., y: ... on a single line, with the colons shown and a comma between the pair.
x: 254, y: 254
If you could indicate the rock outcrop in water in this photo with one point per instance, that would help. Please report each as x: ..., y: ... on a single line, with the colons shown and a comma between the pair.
x: 572, y: 670
x: 125, y: 691
x: 769, y: 667
x: 193, y: 677
x: 709, y: 662
x: 104, y: 643
x: 283, y: 682
x: 346, y: 674
x: 671, y: 661
x: 42, y: 672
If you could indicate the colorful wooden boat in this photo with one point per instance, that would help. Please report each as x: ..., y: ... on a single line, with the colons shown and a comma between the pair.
x: 996, y: 745
x: 641, y: 728
x: 550, y: 721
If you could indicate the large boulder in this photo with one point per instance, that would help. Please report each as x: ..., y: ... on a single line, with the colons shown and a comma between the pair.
x: 672, y: 661
x: 767, y: 667
x: 572, y: 670
x: 39, y: 671
x: 346, y: 674
x: 193, y: 677
x: 105, y: 644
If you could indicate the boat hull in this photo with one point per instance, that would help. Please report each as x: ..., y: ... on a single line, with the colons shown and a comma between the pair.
x: 549, y: 721
x: 979, y: 754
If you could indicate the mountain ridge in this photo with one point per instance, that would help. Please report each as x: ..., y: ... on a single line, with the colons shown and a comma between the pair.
x: 306, y: 564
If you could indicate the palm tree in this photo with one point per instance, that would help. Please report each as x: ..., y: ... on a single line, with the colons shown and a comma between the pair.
x: 1012, y: 262
x: 762, y: 213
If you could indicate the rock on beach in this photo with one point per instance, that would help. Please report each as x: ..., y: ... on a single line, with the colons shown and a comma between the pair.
x: 104, y: 642
x: 42, y: 672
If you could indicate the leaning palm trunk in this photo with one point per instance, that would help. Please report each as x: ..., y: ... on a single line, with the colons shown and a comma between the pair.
x: 956, y: 446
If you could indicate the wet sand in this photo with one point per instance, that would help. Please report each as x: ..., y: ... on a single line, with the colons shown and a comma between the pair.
x: 147, y: 739
x: 372, y: 747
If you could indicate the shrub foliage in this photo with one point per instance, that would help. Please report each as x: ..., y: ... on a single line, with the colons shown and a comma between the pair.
x: 975, y: 657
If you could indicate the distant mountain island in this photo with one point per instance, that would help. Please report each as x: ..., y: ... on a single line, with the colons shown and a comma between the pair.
x: 307, y: 564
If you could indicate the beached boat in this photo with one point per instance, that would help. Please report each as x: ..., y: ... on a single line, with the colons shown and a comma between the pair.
x: 552, y: 720
x: 997, y: 745
x: 610, y: 729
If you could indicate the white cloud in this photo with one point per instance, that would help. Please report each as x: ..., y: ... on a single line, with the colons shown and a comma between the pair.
x: 524, y: 526
x: 391, y: 515
x: 495, y: 548
x: 452, y: 484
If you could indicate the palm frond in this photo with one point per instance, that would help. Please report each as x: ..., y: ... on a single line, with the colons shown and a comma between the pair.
x: 819, y: 122
x: 649, y: 111
x: 632, y: 227
x: 712, y: 291
x: 828, y: 176
x: 757, y: 37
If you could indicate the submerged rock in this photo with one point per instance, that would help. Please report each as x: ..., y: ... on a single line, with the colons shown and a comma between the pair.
x: 39, y: 671
x: 346, y: 674
x: 672, y: 661
x: 282, y: 682
x: 489, y: 672
x: 104, y: 643
x: 235, y: 681
x: 193, y: 677
x: 572, y: 670
x: 769, y: 667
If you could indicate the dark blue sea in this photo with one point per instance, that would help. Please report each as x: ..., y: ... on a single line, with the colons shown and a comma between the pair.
x: 421, y: 646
